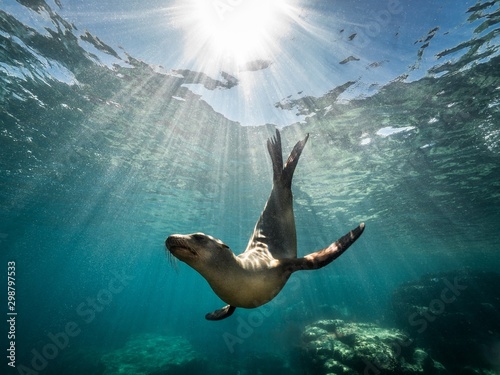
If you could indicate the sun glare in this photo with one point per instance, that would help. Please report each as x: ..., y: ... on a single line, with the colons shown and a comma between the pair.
x: 233, y: 31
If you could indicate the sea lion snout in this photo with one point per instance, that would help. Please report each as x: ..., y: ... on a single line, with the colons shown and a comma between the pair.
x: 179, y: 246
x: 170, y: 241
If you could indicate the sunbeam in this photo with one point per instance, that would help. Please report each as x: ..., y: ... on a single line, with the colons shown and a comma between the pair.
x: 125, y: 122
x: 232, y: 32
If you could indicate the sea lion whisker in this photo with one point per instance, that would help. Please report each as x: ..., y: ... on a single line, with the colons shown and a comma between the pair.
x: 172, y: 261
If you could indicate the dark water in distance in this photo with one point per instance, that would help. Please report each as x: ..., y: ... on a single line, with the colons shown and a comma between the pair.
x: 95, y: 174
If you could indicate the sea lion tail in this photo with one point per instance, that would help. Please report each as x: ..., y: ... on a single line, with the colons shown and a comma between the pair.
x: 280, y: 173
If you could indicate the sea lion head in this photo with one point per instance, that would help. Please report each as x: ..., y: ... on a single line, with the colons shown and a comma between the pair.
x: 198, y: 249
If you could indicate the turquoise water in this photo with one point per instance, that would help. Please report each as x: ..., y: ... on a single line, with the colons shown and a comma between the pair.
x: 99, y: 163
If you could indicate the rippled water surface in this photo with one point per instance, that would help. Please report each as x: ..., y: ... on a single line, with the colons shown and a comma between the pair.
x: 104, y: 153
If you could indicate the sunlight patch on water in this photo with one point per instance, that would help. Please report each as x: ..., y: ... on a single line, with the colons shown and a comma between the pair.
x: 102, y: 57
x: 365, y: 141
x: 41, y: 22
x: 47, y: 68
x: 389, y: 130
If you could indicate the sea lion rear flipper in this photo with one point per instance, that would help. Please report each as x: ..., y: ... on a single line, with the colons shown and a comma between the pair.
x: 281, y: 173
x: 220, y: 314
x: 274, y: 148
x: 293, y: 159
x: 323, y: 257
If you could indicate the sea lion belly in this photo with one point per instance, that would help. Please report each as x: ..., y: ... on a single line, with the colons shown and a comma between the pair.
x: 249, y: 288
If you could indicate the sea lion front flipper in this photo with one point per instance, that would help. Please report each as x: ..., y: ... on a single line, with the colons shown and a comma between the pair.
x: 220, y: 314
x: 323, y: 257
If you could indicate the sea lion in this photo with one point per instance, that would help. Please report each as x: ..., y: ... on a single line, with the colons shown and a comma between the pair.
x: 258, y: 274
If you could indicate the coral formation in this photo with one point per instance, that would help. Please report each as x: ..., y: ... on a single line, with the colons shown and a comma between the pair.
x: 455, y: 315
x: 338, y: 347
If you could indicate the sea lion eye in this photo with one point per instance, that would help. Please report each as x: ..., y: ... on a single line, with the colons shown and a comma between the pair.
x: 198, y: 237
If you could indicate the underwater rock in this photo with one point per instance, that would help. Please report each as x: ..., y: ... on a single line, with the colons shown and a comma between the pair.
x: 338, y: 347
x: 456, y: 315
x: 150, y: 354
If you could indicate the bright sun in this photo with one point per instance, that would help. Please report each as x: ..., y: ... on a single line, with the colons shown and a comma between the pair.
x: 234, y: 31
